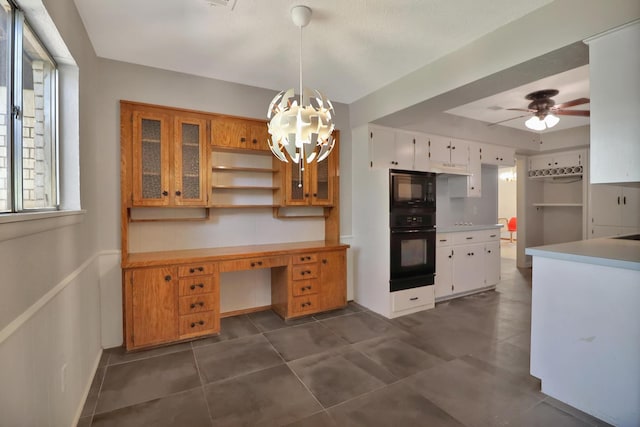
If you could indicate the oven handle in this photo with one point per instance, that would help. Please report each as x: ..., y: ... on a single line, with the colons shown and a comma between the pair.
x: 422, y: 230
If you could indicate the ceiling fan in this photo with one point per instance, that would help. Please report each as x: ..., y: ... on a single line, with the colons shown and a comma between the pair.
x: 543, y: 110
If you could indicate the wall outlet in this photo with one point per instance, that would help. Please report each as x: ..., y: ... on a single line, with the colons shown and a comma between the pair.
x: 63, y: 377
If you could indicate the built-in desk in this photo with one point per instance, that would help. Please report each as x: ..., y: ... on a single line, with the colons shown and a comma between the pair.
x: 173, y: 296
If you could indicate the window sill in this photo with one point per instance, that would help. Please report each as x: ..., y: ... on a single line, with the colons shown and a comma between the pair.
x: 13, y: 226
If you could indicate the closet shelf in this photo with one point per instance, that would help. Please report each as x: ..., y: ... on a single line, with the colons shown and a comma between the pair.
x: 560, y: 205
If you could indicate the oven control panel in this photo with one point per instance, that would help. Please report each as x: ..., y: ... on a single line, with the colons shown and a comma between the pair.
x: 412, y: 221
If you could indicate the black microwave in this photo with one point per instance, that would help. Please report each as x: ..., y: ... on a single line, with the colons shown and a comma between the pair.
x: 410, y: 189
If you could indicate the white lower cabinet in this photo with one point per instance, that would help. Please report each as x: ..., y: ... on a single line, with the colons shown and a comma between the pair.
x: 468, y: 267
x: 444, y: 271
x: 412, y: 300
x: 466, y: 262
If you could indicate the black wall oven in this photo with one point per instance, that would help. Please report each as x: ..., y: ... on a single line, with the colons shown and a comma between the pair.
x: 413, y: 256
x: 412, y: 220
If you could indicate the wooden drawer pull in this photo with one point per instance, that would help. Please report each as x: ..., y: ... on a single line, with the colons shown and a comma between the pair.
x: 199, y: 285
x: 305, y: 304
x: 302, y: 273
x: 193, y: 270
x: 195, y: 304
x: 199, y: 323
x: 253, y: 264
x: 304, y: 288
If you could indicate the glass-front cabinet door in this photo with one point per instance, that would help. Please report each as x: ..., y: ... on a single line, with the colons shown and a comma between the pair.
x: 297, y: 185
x: 150, y: 159
x: 189, y: 158
x: 321, y: 175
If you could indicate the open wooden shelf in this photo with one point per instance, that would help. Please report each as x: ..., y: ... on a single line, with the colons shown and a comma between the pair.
x: 242, y: 206
x: 243, y: 187
x: 242, y: 169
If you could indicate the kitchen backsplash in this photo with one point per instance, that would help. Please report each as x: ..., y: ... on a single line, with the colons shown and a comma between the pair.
x: 472, y: 210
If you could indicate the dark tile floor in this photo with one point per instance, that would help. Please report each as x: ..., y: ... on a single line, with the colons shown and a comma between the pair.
x: 464, y: 363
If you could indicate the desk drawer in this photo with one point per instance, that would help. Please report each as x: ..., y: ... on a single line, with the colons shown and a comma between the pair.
x: 196, y: 285
x: 253, y: 263
x: 304, y: 304
x: 200, y: 269
x: 197, y: 303
x: 198, y: 324
x: 304, y: 258
x: 305, y: 287
x: 305, y: 271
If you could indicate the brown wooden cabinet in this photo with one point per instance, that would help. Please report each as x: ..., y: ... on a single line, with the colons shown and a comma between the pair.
x: 314, y: 282
x: 333, y: 279
x: 167, y: 154
x: 235, y: 133
x: 167, y: 304
x: 311, y: 185
x: 151, y: 296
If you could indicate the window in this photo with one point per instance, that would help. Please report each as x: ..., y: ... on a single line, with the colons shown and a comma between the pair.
x: 28, y: 117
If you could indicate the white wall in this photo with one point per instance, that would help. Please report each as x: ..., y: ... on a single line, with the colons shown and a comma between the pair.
x: 50, y: 281
x: 476, y: 210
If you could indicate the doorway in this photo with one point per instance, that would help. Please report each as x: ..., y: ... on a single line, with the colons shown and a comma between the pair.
x: 507, y: 211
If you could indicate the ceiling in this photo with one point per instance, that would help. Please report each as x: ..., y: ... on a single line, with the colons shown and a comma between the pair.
x: 572, y: 84
x: 351, y: 48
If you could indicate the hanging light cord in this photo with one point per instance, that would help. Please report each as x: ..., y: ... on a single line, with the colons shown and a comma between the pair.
x: 301, y: 65
x: 301, y: 162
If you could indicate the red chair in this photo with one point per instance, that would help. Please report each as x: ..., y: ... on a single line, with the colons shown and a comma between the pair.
x: 512, y: 227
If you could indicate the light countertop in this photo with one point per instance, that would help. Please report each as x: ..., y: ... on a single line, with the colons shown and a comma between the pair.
x: 608, y: 252
x: 463, y: 228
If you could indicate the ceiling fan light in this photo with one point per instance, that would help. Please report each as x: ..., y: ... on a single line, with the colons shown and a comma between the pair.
x: 551, y: 120
x: 534, y: 123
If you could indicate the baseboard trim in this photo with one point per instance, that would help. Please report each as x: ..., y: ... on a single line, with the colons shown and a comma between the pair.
x: 87, y: 389
x: 245, y: 311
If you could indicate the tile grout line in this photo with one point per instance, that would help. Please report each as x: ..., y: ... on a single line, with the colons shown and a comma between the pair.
x: 153, y: 355
x: 204, y: 394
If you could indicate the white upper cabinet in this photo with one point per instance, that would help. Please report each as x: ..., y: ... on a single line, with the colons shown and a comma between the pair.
x: 391, y: 149
x: 564, y: 163
x: 421, y: 161
x: 404, y: 150
x: 448, y: 155
x: 615, y: 210
x: 497, y: 155
x: 614, y: 76
x: 470, y: 185
x: 439, y: 149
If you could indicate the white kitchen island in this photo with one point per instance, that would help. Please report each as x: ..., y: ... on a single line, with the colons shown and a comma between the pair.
x: 585, y: 326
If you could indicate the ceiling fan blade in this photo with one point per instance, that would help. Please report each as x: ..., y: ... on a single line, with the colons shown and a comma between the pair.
x: 528, y: 110
x: 583, y: 113
x: 507, y: 120
x: 573, y: 103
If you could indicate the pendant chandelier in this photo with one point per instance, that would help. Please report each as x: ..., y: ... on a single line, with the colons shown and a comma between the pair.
x: 302, y: 133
